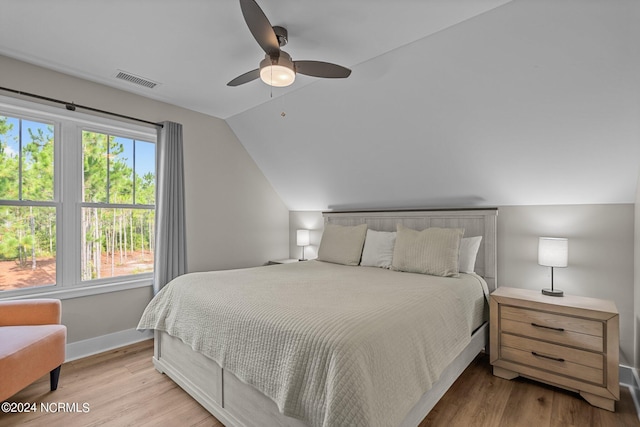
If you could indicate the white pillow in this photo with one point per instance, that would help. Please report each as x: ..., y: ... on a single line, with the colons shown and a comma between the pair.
x: 378, y: 249
x: 468, y: 251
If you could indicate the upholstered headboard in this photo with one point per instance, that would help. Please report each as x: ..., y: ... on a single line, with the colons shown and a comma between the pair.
x: 476, y: 222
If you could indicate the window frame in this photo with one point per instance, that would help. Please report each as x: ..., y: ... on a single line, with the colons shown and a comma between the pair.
x: 68, y: 179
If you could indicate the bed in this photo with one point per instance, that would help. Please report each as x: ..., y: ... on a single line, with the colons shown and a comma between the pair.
x: 321, y: 344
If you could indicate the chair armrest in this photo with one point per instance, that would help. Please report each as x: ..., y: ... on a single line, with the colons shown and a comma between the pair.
x: 42, y: 311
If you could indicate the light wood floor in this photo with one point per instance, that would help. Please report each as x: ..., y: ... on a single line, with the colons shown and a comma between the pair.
x: 123, y: 389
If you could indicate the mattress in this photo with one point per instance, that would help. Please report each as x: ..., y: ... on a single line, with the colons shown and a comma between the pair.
x: 331, y: 345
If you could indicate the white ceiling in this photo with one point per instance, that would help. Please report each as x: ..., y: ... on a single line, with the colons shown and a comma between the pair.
x: 194, y: 47
x: 450, y: 103
x: 534, y: 102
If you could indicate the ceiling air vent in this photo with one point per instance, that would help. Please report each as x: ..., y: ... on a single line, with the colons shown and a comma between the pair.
x: 131, y: 78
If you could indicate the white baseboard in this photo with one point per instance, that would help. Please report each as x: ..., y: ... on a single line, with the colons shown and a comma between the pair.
x: 629, y: 378
x: 89, y: 347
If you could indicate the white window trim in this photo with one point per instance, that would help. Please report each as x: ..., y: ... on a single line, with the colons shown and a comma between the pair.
x: 69, y: 126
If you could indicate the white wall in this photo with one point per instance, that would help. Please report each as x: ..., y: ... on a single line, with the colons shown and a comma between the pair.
x: 98, y: 315
x: 234, y: 216
x: 306, y: 220
x: 601, y: 261
x: 600, y: 255
x: 636, y: 282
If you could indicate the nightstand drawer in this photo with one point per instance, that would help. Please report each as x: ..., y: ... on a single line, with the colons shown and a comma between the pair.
x: 579, y: 364
x: 566, y: 330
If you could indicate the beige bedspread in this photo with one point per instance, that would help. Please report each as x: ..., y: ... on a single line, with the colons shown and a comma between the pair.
x: 332, y: 345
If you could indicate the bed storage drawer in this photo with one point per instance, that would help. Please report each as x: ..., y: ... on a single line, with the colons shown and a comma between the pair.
x: 250, y: 405
x: 207, y: 374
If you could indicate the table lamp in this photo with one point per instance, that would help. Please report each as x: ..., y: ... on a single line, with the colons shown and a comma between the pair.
x: 302, y: 239
x: 553, y: 252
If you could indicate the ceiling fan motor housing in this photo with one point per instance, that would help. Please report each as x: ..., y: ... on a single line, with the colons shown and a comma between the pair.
x: 281, y: 34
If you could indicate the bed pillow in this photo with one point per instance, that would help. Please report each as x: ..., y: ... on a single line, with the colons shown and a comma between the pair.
x: 468, y: 252
x: 432, y: 251
x: 342, y: 244
x: 378, y: 249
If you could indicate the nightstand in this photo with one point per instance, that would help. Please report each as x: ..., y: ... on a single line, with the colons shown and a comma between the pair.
x: 282, y: 261
x: 570, y: 342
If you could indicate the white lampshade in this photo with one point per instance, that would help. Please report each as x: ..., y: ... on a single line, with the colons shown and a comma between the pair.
x: 553, y: 251
x: 302, y: 238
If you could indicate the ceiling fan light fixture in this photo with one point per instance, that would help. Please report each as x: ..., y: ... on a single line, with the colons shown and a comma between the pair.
x: 277, y: 72
x: 277, y: 68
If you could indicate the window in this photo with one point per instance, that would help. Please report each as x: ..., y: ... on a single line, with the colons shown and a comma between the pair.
x: 28, y: 210
x: 77, y: 200
x: 118, y: 216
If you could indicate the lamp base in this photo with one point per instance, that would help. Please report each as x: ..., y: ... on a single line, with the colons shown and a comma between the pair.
x: 553, y: 292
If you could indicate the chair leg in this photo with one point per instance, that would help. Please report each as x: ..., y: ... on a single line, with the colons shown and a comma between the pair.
x: 54, y: 376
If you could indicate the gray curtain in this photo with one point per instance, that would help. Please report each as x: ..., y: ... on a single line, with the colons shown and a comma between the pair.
x: 170, y: 259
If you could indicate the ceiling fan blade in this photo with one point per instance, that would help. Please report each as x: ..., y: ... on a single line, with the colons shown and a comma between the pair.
x: 259, y: 26
x: 245, y: 78
x: 322, y: 69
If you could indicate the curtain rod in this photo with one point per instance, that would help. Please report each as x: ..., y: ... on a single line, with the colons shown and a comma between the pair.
x: 72, y: 106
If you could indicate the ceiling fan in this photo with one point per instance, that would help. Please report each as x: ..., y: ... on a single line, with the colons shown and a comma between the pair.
x: 277, y: 68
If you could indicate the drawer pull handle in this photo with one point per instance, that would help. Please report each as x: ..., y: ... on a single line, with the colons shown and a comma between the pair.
x: 547, y: 327
x: 557, y: 359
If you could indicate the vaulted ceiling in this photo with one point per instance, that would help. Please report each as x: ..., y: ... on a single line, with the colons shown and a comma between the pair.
x: 450, y: 103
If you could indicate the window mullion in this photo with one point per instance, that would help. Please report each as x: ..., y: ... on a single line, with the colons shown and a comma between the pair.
x: 20, y: 159
x: 108, y: 168
x: 134, y: 173
x: 71, y: 177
